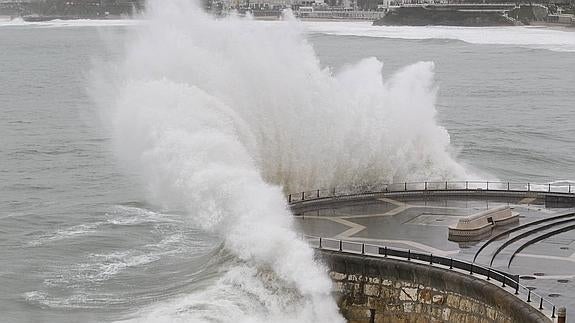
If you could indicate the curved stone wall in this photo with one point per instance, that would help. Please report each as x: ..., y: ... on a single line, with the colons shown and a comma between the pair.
x: 387, y: 290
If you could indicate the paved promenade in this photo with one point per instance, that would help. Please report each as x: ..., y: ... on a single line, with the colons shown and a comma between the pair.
x: 420, y: 222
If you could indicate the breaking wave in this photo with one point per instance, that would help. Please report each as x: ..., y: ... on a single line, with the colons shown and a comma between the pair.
x: 59, y: 23
x: 524, y: 36
x: 221, y: 117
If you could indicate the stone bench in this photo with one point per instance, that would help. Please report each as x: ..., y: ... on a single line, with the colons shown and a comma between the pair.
x: 479, y: 224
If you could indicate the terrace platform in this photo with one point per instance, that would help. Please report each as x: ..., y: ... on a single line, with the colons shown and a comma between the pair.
x: 542, y: 254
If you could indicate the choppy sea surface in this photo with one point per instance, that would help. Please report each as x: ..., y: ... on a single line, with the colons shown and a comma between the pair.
x: 80, y: 242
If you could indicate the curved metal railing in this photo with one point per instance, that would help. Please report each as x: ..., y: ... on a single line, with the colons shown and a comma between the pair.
x: 506, y: 280
x: 567, y: 189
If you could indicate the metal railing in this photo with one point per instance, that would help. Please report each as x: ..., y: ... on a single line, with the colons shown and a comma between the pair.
x: 341, y: 14
x: 506, y: 280
x: 455, y: 186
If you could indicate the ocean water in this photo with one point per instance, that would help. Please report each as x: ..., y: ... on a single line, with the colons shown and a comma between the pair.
x: 140, y: 162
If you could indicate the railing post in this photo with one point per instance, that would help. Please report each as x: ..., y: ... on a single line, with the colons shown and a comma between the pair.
x: 489, y: 273
x: 549, y: 188
x: 528, y: 187
x: 517, y: 288
x: 303, y: 196
x: 466, y: 185
x: 409, y: 255
x: 431, y: 259
x: 426, y: 187
x: 363, y: 248
x: 553, y: 313
x: 569, y: 188
x: 317, y: 193
x: 445, y: 185
x: 385, y: 251
x: 333, y: 194
x: 289, y: 198
x: 450, y: 263
x: 504, y: 278
x: 471, y: 269
x: 405, y: 186
x: 320, y: 242
x: 529, y: 297
x: 487, y: 188
x: 340, y: 245
x: 561, y: 314
x: 541, y: 303
x: 508, y: 186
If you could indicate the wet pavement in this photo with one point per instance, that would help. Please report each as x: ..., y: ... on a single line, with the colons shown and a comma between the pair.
x: 547, y: 267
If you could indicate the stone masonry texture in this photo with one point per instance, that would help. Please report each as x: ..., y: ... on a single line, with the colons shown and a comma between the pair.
x: 386, y: 290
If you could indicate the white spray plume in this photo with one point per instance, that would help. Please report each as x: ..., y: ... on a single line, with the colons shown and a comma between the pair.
x: 219, y: 115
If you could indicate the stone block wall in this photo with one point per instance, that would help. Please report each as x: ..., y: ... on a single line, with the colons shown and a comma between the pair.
x: 376, y: 290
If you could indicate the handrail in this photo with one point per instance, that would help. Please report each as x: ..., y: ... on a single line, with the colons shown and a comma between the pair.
x: 475, y: 186
x: 506, y: 279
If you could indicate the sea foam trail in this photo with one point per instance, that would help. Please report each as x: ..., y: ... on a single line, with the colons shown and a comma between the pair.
x: 58, y: 23
x: 523, y: 36
x: 220, y: 116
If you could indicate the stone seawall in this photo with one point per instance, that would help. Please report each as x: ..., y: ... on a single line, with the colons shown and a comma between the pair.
x: 388, y: 290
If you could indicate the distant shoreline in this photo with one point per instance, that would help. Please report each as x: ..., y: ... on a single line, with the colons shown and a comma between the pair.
x: 270, y: 18
x: 549, y: 25
x: 552, y: 26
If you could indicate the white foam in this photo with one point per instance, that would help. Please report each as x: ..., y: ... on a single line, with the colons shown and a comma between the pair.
x: 65, y: 233
x: 129, y: 215
x: 102, y: 267
x: 76, y: 300
x: 59, y: 23
x: 524, y: 36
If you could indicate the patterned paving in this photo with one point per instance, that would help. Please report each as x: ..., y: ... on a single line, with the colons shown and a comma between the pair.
x: 422, y: 224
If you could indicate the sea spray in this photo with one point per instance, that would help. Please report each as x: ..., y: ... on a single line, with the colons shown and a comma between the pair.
x: 221, y: 117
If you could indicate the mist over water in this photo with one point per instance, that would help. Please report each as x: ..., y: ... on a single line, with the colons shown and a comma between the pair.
x: 221, y: 117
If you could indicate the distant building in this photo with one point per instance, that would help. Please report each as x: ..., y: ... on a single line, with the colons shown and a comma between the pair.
x: 74, y: 8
